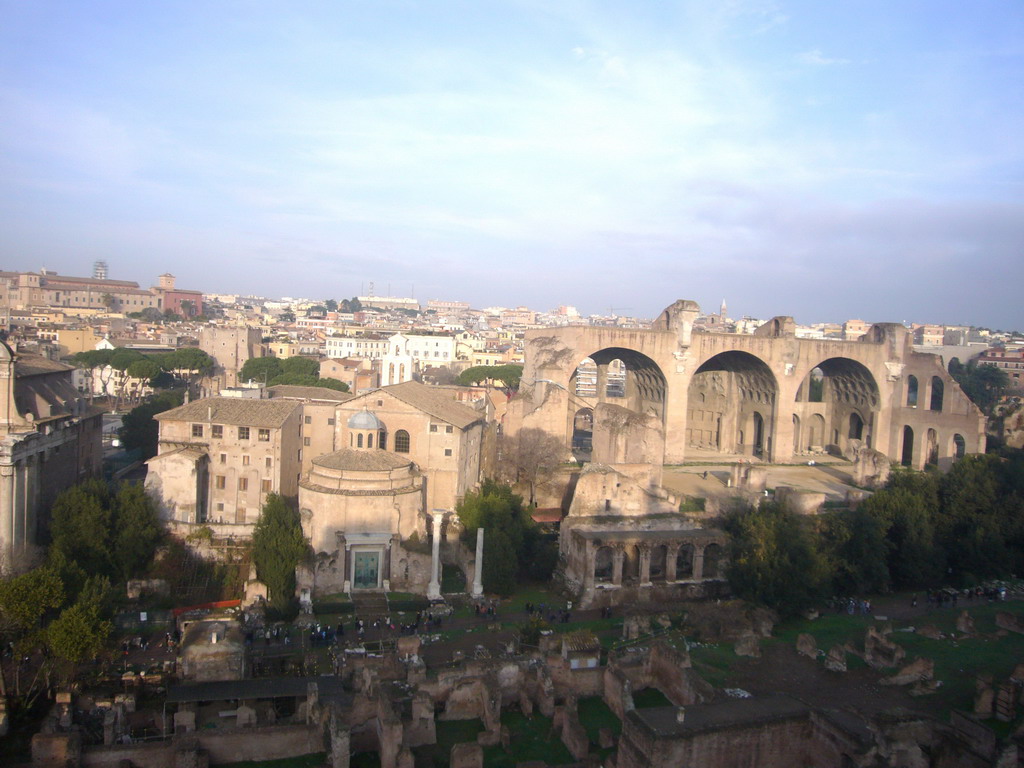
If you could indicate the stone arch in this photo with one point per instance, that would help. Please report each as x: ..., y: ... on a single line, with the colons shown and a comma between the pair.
x: 659, y: 563
x: 641, y: 380
x: 583, y: 434
x: 912, y: 391
x: 684, y: 561
x: 958, y: 446
x: 615, y: 379
x: 907, y: 450
x: 713, y: 561
x: 604, y: 563
x: 931, y: 447
x: 850, y: 400
x: 736, y: 385
x: 937, y: 392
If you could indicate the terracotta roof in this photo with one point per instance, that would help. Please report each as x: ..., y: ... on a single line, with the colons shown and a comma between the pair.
x: 234, y: 410
x: 365, y: 461
x: 434, y: 402
x: 308, y: 393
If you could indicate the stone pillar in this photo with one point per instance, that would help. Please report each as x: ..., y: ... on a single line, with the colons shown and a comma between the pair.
x: 670, y: 562
x: 617, y: 557
x: 478, y: 569
x: 602, y: 383
x: 589, y: 563
x: 6, y: 518
x: 645, y: 566
x: 698, y: 563
x: 18, y: 535
x: 434, y: 587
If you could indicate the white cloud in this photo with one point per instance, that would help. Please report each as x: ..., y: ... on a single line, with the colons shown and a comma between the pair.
x: 816, y: 58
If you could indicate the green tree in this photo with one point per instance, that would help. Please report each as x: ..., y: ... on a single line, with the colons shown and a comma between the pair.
x: 79, y: 633
x: 509, y: 375
x: 278, y: 546
x: 136, y: 531
x: 144, y: 369
x: 856, y: 544
x: 331, y: 305
x: 81, y: 526
x: 25, y: 599
x: 303, y: 366
x: 299, y: 380
x: 983, y: 384
x: 139, y: 430
x: 261, y: 369
x: 122, y: 358
x: 775, y: 560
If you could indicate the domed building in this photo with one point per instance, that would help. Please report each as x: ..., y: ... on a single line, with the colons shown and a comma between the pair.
x: 358, y: 505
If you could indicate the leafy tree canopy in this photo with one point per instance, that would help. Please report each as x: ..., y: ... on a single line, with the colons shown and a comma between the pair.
x: 261, y: 369
x: 509, y: 375
x: 139, y: 429
x: 304, y: 366
x: 300, y: 380
x: 278, y: 545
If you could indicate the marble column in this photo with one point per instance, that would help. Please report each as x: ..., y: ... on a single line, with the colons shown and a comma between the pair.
x: 434, y: 587
x: 478, y: 569
x: 698, y: 563
x: 6, y: 518
x: 617, y: 557
x: 670, y: 562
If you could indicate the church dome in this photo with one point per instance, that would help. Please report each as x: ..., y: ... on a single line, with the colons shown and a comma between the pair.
x: 364, y: 420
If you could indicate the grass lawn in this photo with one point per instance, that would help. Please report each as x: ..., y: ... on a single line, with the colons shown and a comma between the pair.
x: 452, y: 579
x: 531, y: 738
x: 449, y: 733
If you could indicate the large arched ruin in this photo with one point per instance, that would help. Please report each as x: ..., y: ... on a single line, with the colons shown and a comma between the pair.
x: 769, y: 395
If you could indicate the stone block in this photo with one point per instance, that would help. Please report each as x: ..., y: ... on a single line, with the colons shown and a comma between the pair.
x: 467, y: 756
x: 408, y: 645
x: 965, y: 624
x: 184, y: 722
x: 917, y: 671
x: 806, y: 645
x: 748, y: 645
x: 1009, y: 622
x: 984, y: 697
x: 489, y: 738
x: 930, y: 631
x: 835, y: 661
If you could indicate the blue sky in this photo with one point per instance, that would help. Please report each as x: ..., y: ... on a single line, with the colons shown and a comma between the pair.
x: 826, y: 160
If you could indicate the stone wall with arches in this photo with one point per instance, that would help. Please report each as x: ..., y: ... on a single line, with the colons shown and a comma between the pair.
x: 751, y: 395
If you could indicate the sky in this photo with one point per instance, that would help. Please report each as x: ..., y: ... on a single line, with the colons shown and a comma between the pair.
x: 825, y: 160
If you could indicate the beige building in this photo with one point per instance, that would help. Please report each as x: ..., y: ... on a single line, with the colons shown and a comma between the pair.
x: 50, y: 439
x: 218, y: 459
x: 230, y: 348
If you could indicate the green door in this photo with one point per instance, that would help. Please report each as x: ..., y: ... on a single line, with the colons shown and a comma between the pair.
x: 367, y: 570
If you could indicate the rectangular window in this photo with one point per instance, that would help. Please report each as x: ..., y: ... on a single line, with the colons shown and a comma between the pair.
x: 243, y: 483
x: 220, y: 506
x: 223, y: 458
x: 217, y: 430
x: 263, y: 435
x: 270, y: 463
x: 197, y: 430
x: 448, y: 429
x: 219, y: 482
x: 245, y: 461
x: 243, y: 433
x: 447, y: 451
x: 433, y: 427
x: 266, y: 486
x: 330, y: 422
x: 305, y: 441
x: 308, y: 420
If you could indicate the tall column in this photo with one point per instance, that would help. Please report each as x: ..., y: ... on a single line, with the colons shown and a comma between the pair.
x: 698, y: 563
x: 478, y: 569
x: 589, y: 563
x: 6, y: 518
x: 670, y: 562
x: 18, y: 535
x: 645, y: 566
x: 434, y: 587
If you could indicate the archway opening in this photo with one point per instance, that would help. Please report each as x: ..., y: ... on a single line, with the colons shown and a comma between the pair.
x: 912, y: 391
x: 907, y: 454
x: 684, y: 562
x: 603, y: 565
x: 932, y: 447
x: 938, y: 390
x: 731, y: 405
x: 849, y: 401
x: 583, y: 434
x: 959, y: 446
x: 659, y: 561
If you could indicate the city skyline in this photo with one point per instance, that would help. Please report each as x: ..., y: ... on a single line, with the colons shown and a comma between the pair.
x: 823, y: 161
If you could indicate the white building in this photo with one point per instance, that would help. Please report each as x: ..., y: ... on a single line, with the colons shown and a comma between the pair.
x: 408, y: 353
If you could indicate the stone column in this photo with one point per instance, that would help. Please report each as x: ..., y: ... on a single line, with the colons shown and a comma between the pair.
x: 645, y: 566
x: 698, y: 563
x: 617, y: 557
x: 6, y: 518
x: 434, y: 587
x: 478, y: 569
x: 602, y: 383
x: 18, y: 535
x: 589, y: 563
x: 670, y: 562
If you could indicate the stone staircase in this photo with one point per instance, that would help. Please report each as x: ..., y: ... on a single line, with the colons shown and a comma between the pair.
x: 370, y: 604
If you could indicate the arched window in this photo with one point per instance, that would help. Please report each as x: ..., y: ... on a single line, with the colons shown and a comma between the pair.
x: 959, y: 446
x: 369, y: 440
x: 907, y: 455
x: 603, y: 565
x: 856, y: 426
x: 912, y: 391
x: 684, y: 562
x: 401, y: 441
x: 937, y: 392
x: 382, y: 440
x: 359, y: 440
